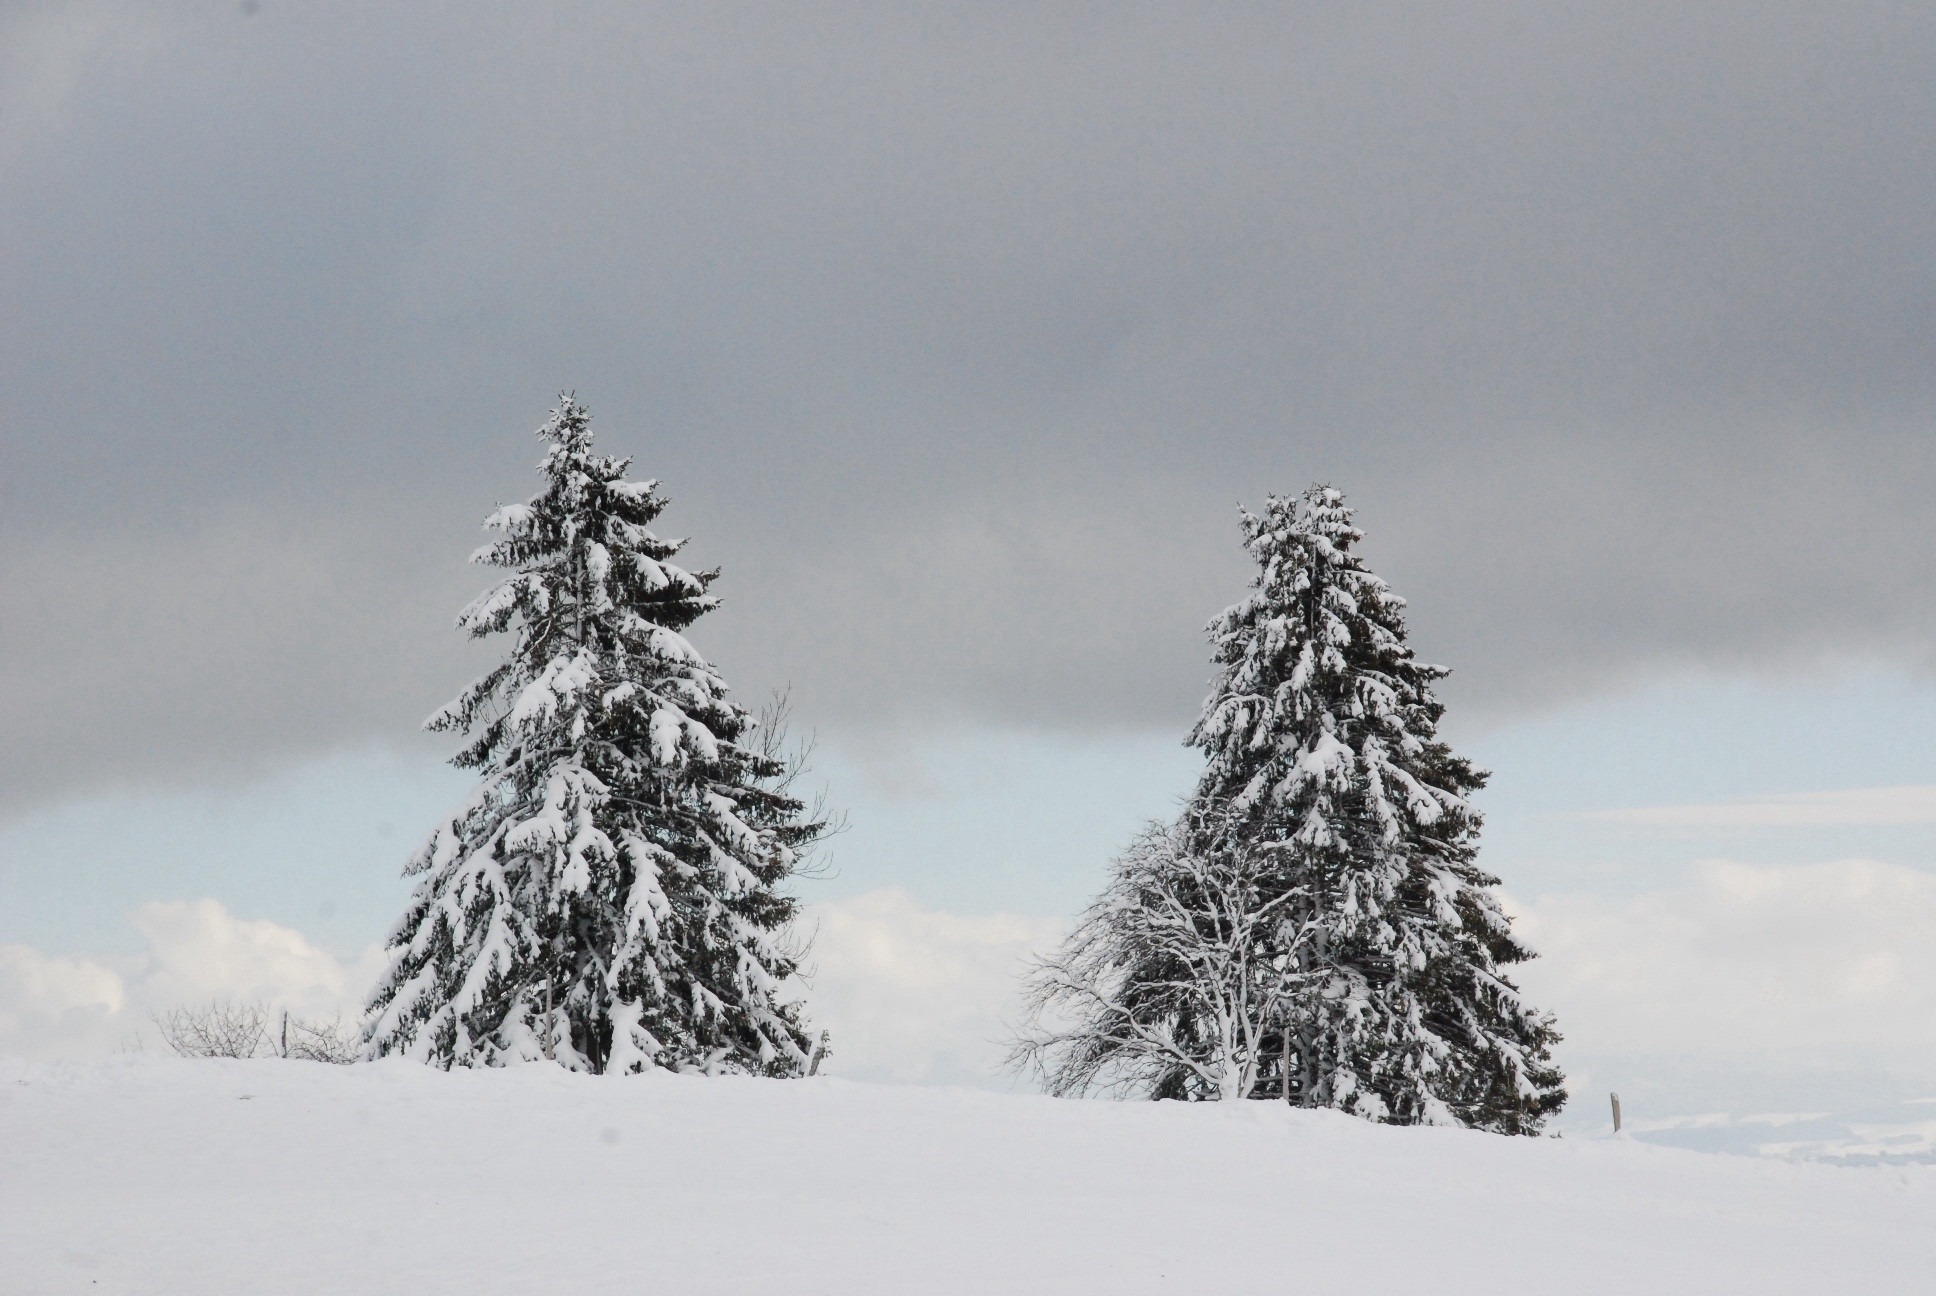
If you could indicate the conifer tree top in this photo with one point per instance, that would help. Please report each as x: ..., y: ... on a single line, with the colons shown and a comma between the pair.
x: 1316, y: 684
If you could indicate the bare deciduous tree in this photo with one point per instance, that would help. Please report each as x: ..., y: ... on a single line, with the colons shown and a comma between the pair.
x: 1165, y: 986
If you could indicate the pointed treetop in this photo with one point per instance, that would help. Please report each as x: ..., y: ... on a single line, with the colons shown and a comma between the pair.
x: 570, y: 425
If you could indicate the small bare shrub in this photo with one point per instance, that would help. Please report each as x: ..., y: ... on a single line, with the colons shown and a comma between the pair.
x: 222, y: 1029
x: 319, y: 1041
x: 230, y: 1030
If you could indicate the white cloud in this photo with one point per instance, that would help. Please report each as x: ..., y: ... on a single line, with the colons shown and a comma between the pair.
x: 1742, y: 959
x: 1851, y: 807
x: 912, y: 994
x: 200, y: 951
x: 81, y: 1006
x: 53, y: 1006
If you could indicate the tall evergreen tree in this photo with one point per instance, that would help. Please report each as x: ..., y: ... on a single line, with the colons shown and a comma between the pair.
x: 1321, y: 734
x: 609, y: 896
x: 1331, y: 833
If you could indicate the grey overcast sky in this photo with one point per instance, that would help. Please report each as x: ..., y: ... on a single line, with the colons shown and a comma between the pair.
x: 955, y: 332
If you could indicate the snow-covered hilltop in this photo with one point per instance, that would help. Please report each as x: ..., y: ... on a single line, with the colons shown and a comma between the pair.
x: 155, y: 1175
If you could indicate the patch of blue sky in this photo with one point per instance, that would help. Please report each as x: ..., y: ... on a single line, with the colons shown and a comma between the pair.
x: 318, y: 847
x: 1703, y: 741
x: 981, y: 820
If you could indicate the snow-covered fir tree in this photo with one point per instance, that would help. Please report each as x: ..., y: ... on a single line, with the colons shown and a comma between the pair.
x: 1386, y: 949
x: 609, y: 897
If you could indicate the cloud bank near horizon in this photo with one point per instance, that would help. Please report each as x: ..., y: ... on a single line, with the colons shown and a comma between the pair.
x: 1736, y: 990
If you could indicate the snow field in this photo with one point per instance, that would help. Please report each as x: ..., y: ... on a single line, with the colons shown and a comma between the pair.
x: 157, y: 1175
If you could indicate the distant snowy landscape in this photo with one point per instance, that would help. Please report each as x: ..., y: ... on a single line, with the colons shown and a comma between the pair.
x: 143, y: 1174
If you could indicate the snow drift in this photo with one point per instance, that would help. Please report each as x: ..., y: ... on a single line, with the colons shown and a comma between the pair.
x: 155, y: 1175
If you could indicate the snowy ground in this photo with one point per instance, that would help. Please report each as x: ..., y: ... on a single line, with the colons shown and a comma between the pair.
x: 146, y: 1174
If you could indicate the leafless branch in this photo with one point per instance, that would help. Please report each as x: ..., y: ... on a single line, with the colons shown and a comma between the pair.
x: 222, y: 1029
x: 1179, y: 970
x: 773, y: 740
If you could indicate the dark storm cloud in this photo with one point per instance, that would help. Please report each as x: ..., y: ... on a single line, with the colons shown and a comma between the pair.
x: 955, y: 334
